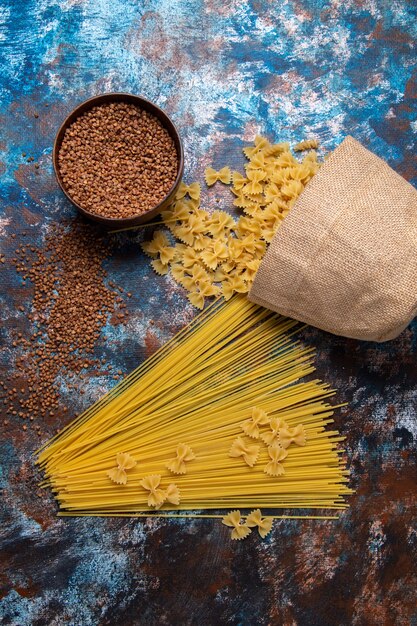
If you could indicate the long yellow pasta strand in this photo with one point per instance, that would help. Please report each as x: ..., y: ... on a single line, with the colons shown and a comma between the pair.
x: 197, y: 390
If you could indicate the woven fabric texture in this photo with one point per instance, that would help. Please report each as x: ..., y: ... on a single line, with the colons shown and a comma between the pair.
x: 345, y: 258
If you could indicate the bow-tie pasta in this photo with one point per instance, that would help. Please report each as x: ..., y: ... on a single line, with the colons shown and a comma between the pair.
x: 225, y: 252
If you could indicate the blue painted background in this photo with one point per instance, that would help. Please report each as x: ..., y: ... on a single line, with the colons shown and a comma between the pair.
x: 224, y: 70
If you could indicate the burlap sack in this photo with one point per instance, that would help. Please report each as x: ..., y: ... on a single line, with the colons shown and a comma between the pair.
x: 345, y: 257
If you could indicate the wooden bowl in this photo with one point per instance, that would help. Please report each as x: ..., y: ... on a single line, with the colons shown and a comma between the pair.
x: 125, y: 222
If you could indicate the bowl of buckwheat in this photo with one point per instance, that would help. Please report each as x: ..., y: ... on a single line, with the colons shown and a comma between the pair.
x: 119, y: 159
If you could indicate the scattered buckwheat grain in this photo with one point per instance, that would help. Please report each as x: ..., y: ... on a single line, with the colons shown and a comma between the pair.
x: 71, y: 304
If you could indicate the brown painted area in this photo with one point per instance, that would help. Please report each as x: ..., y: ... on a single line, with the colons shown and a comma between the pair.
x: 29, y: 216
x: 393, y: 35
x: 151, y: 343
x: 27, y: 592
x: 38, y: 185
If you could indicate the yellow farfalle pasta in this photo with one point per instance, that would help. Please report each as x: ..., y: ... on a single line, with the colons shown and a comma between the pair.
x: 292, y: 189
x: 230, y: 249
x: 238, y: 180
x: 301, y: 172
x: 190, y: 257
x: 236, y: 249
x: 178, y: 272
x: 255, y: 247
x: 249, y: 452
x: 212, y: 176
x: 234, y: 520
x: 257, y: 162
x: 215, y: 254
x: 285, y: 159
x: 166, y: 254
x: 156, y: 496
x: 249, y: 269
x: 201, y: 242
x: 280, y: 176
x: 183, y: 455
x: 277, y: 454
x: 160, y: 268
x: 220, y: 223
x: 199, y: 285
x: 264, y: 524
x: 296, y: 435
x: 172, y: 494
x: 159, y: 245
x: 152, y: 248
x: 192, y: 190
x: 197, y: 299
x: 259, y: 198
x: 272, y: 435
x: 260, y: 142
x: 272, y: 192
x: 274, y: 210
x: 180, y: 211
x: 189, y: 230
x: 251, y: 426
x: 124, y: 462
x: 254, y: 186
x: 311, y: 158
x: 247, y: 226
x: 242, y: 203
x: 233, y: 284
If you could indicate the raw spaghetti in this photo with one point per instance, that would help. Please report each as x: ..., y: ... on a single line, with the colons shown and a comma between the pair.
x: 187, y: 404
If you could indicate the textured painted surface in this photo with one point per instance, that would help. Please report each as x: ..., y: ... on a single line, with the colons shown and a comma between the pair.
x: 223, y: 70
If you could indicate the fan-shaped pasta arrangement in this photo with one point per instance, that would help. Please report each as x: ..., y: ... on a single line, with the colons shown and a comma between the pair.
x: 218, y: 418
x: 212, y: 254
